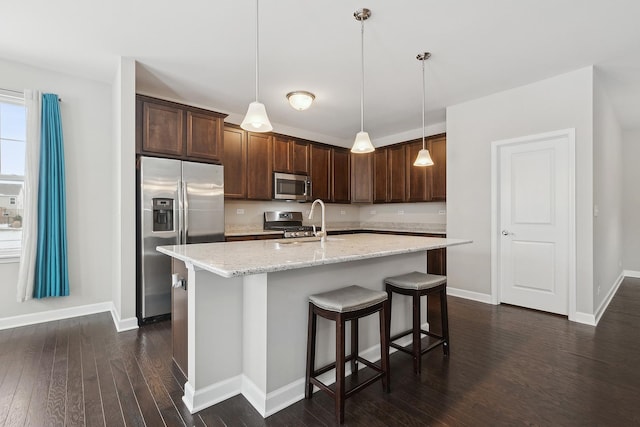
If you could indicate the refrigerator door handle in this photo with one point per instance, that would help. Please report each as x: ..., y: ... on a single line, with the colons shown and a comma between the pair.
x: 180, y: 212
x: 185, y: 211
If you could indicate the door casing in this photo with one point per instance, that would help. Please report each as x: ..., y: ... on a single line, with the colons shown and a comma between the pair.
x: 570, y: 134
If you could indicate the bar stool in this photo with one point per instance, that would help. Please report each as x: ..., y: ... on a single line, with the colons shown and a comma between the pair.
x: 342, y: 305
x: 415, y: 285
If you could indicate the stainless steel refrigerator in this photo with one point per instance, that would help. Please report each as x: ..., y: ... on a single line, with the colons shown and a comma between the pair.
x: 178, y: 203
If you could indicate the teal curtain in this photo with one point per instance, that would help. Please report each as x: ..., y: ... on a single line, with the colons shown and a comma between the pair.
x: 51, y: 276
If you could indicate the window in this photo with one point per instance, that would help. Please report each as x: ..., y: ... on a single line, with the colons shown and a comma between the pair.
x: 13, y: 130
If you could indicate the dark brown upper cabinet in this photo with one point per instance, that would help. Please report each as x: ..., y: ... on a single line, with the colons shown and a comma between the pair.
x: 300, y: 157
x: 235, y: 163
x: 320, y: 171
x: 418, y: 177
x: 169, y: 129
x: 340, y: 175
x: 396, y: 162
x: 259, y: 166
x: 380, y: 176
x: 438, y: 151
x: 290, y: 155
x: 362, y: 181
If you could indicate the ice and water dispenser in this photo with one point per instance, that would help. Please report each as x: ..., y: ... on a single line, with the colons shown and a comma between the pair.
x: 162, y: 214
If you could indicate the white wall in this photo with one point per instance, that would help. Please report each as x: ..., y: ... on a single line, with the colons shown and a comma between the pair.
x: 607, y: 195
x: 89, y: 163
x: 560, y: 102
x: 631, y: 200
x: 124, y: 244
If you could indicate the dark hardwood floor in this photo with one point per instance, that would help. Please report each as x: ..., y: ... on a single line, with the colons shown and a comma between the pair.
x: 508, y: 366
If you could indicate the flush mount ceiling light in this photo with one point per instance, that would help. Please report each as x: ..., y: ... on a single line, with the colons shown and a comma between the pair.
x: 300, y: 99
x: 424, y: 158
x: 256, y: 119
x: 362, y: 143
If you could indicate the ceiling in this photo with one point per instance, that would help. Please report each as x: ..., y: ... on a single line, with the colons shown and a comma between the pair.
x: 203, y: 52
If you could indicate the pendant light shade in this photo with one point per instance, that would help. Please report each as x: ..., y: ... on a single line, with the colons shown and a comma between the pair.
x: 362, y: 143
x: 256, y: 119
x: 424, y: 158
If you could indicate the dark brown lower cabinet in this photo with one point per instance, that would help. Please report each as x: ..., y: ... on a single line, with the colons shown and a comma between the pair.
x: 437, y: 261
x: 179, y: 326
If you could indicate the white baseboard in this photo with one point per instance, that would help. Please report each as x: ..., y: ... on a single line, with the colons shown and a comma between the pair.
x: 123, y: 324
x: 585, y: 318
x: 68, y: 313
x: 210, y: 395
x: 475, y: 296
x: 607, y: 300
x: 51, y: 315
x: 631, y: 273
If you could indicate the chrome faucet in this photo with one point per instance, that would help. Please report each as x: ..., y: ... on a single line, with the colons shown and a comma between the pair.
x: 323, y: 232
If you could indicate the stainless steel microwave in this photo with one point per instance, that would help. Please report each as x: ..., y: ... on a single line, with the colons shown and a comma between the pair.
x: 288, y: 186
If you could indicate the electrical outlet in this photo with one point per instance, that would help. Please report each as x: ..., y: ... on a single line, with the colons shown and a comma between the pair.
x: 400, y: 212
x: 442, y: 212
x: 372, y: 212
x: 239, y: 211
x: 598, y: 290
x: 343, y: 212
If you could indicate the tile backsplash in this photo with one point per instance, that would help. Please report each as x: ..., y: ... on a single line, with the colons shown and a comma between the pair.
x: 242, y: 213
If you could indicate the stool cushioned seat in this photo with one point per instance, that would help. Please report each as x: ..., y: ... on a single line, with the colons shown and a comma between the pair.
x: 416, y: 280
x: 351, y: 298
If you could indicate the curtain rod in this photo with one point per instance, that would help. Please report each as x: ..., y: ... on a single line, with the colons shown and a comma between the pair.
x: 19, y: 92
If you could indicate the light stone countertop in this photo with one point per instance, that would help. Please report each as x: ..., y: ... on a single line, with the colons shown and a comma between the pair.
x: 233, y: 259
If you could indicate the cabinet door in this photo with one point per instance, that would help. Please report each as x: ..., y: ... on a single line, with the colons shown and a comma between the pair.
x: 300, y: 157
x: 163, y: 129
x: 418, y: 188
x: 320, y: 172
x: 380, y: 176
x: 204, y: 135
x: 259, y: 166
x: 362, y: 178
x: 396, y: 159
x: 341, y: 182
x: 235, y: 163
x: 438, y: 151
x: 282, y: 151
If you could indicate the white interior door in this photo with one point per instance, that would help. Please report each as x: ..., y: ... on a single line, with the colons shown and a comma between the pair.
x: 534, y: 208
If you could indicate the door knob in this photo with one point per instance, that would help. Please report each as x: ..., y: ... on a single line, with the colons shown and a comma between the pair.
x: 505, y: 233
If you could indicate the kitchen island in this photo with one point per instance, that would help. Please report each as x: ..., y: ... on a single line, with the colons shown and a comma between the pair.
x: 248, y: 306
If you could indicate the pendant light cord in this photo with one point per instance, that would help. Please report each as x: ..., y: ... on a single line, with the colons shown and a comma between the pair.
x: 362, y: 75
x: 423, y: 95
x: 257, y: 48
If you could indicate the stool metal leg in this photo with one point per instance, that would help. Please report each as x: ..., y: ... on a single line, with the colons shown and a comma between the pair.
x: 311, y: 352
x: 339, y: 394
x: 385, y: 314
x: 354, y: 346
x: 445, y: 321
x: 417, y: 353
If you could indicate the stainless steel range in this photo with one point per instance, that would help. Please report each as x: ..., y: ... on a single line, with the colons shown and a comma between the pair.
x: 289, y: 222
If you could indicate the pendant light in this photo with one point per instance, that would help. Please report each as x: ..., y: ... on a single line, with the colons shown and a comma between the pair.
x: 256, y: 119
x: 362, y: 143
x: 424, y: 158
